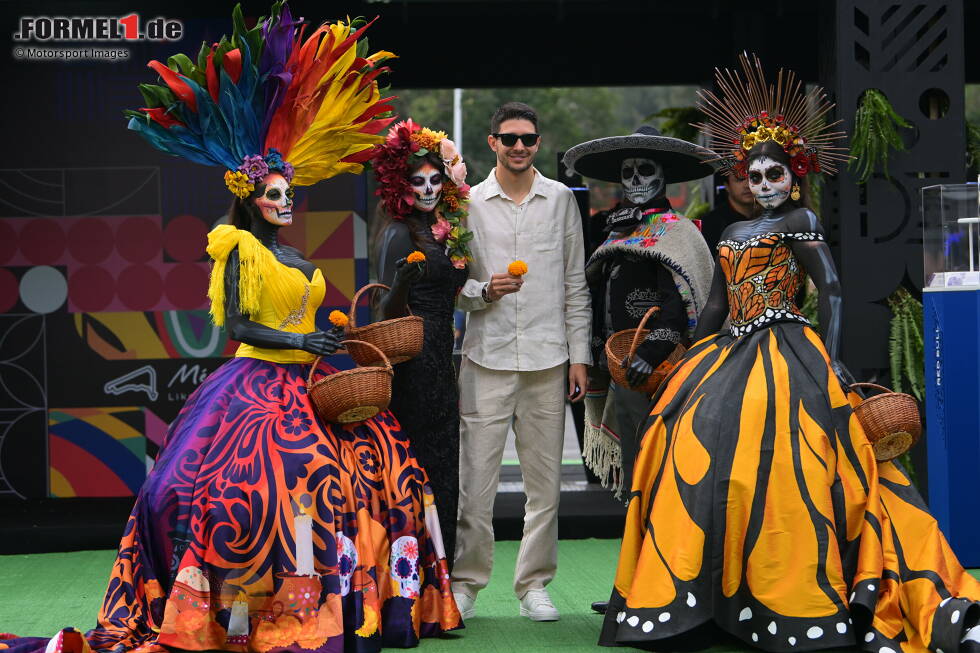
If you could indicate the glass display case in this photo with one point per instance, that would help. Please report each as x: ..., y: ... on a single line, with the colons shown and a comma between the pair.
x: 951, y: 236
x: 951, y: 248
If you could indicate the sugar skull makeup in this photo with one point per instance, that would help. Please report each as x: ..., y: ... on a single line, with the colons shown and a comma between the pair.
x: 770, y: 181
x: 427, y: 185
x: 643, y: 179
x: 276, y: 202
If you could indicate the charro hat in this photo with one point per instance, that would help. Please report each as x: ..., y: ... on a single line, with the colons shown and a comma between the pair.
x: 602, y: 158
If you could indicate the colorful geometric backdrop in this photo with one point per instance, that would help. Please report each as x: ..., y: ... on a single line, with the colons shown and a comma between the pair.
x: 104, y: 328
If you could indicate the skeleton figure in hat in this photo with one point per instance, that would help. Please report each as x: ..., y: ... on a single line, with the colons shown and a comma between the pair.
x: 651, y: 256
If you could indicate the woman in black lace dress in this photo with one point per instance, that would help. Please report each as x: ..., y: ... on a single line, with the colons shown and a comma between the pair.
x: 425, y: 397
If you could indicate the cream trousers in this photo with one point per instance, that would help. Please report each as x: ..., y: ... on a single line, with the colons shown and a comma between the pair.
x: 490, y: 400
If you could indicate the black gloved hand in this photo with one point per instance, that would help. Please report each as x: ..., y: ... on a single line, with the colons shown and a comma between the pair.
x: 407, y: 273
x: 322, y: 343
x: 639, y: 371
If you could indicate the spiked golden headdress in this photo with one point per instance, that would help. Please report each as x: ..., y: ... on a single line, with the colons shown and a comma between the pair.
x: 752, y: 111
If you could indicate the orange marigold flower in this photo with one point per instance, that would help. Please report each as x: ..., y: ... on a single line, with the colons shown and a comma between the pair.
x: 427, y: 138
x: 338, y: 318
x: 517, y: 268
x: 416, y: 257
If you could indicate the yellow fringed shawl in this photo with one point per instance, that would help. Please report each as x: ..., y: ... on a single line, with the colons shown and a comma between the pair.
x: 254, y: 257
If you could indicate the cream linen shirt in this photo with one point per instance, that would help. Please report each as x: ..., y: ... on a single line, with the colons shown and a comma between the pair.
x: 549, y: 319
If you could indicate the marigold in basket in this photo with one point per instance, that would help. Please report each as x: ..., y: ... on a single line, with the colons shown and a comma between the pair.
x: 416, y: 257
x: 517, y: 268
x: 338, y: 318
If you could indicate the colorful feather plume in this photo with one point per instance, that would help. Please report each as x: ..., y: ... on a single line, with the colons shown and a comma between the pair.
x: 267, y: 98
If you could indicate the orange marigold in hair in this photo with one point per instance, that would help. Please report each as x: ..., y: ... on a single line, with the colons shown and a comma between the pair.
x: 338, y: 318
x: 416, y: 257
x: 517, y: 268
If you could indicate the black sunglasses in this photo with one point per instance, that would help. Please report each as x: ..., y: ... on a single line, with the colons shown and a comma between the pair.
x: 510, y: 140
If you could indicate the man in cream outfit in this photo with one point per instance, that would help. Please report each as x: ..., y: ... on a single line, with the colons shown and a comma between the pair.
x: 525, y: 350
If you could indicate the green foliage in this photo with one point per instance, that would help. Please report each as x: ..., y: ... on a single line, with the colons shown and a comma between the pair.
x: 677, y: 122
x: 566, y: 116
x: 906, y: 346
x: 906, y: 353
x: 973, y: 144
x: 697, y: 207
x: 875, y: 134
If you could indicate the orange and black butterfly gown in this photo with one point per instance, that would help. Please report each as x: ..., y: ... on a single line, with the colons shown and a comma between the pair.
x: 757, y: 504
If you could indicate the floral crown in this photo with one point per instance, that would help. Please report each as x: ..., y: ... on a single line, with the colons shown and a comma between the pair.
x: 404, y: 148
x: 752, y: 112
x: 242, y: 181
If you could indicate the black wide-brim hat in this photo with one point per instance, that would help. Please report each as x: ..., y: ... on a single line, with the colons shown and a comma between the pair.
x: 602, y: 158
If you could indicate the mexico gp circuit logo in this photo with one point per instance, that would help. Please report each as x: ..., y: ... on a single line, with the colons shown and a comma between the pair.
x: 58, y: 29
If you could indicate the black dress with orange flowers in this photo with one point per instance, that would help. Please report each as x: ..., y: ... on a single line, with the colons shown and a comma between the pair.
x: 758, y: 506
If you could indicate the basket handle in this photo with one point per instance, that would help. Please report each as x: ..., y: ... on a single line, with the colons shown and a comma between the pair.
x: 384, y: 359
x: 352, y: 316
x: 871, y: 385
x: 636, y: 336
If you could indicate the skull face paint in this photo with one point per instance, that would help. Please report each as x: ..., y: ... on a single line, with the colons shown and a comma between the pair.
x: 276, y: 202
x: 427, y: 185
x: 643, y: 179
x: 770, y: 181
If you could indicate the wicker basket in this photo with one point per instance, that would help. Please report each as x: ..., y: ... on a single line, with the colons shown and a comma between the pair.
x: 400, y: 338
x: 622, y: 345
x: 352, y: 395
x: 890, y: 420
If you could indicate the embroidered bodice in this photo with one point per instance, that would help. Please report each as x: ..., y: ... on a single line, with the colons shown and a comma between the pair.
x: 763, y: 278
x: 272, y: 294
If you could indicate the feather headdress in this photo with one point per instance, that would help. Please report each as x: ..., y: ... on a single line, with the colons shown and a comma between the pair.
x: 752, y: 111
x: 268, y: 100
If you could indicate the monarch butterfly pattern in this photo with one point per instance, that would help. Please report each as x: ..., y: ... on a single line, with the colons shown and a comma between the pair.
x: 757, y: 504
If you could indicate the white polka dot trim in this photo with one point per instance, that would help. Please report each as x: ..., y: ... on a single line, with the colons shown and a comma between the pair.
x: 772, y: 627
x: 842, y: 627
x: 945, y: 601
x: 647, y: 626
x: 755, y: 637
x: 868, y: 637
x: 871, y: 587
x: 792, y: 641
x: 814, y: 632
x: 885, y: 649
x: 953, y: 618
x: 620, y: 617
x: 745, y: 614
x: 632, y: 621
x: 691, y: 601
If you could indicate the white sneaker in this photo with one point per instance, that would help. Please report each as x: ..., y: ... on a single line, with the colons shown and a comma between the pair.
x: 537, y: 606
x: 466, y: 605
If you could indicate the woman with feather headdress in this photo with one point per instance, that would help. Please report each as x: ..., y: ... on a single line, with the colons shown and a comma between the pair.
x: 261, y: 527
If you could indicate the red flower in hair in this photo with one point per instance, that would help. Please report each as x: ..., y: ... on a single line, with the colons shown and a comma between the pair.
x: 741, y: 169
x: 391, y: 167
x: 800, y: 165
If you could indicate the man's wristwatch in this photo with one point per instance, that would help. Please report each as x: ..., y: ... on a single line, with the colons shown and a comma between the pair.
x: 486, y: 293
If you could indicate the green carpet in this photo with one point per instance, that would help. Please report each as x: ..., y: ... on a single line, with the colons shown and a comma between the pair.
x: 41, y: 593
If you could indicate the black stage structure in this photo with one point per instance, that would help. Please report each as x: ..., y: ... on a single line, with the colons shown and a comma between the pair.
x: 914, y: 51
